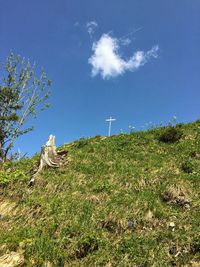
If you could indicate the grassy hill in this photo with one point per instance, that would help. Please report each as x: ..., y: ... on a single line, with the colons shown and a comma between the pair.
x: 126, y: 200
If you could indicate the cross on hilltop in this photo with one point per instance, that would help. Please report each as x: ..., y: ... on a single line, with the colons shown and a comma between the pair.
x: 110, y: 120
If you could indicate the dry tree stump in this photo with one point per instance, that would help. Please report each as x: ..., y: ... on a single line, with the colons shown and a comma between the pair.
x: 49, y: 157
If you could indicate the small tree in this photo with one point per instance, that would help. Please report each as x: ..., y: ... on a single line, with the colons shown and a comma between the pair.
x: 21, y: 96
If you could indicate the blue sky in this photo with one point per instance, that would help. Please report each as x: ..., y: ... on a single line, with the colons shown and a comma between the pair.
x: 138, y: 61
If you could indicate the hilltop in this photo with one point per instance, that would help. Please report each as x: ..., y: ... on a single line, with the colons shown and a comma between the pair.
x: 125, y: 200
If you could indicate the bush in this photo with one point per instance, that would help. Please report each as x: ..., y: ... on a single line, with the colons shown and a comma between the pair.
x: 170, y: 135
x: 7, y: 177
x: 85, y: 246
x: 82, y: 142
x: 187, y: 166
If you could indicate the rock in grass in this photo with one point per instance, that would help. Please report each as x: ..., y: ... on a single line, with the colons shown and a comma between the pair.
x: 149, y: 215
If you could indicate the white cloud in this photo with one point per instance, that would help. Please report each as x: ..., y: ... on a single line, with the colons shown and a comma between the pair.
x: 107, y: 61
x: 76, y: 24
x: 91, y: 27
x: 125, y: 41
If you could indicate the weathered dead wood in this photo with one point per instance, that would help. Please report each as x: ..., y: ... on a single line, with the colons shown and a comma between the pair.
x: 49, y: 157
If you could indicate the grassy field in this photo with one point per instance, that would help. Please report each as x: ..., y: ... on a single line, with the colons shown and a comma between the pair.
x: 125, y: 200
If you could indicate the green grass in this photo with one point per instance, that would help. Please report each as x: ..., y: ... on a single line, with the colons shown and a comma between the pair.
x: 107, y: 205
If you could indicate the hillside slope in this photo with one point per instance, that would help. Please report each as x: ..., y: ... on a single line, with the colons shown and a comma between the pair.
x: 127, y: 200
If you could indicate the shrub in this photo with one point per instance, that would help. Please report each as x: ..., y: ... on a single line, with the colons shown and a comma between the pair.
x: 82, y: 142
x: 7, y: 177
x: 187, y: 166
x: 170, y: 135
x: 86, y: 245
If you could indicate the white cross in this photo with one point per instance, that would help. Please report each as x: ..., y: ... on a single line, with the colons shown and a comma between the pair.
x: 110, y: 120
